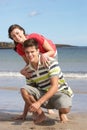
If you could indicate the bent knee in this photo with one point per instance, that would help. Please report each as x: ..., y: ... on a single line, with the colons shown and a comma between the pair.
x: 64, y: 110
x: 23, y: 91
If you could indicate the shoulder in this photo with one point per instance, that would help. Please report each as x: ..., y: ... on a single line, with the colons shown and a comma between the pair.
x: 53, y: 63
x: 33, y: 35
x: 52, y: 60
x: 37, y: 37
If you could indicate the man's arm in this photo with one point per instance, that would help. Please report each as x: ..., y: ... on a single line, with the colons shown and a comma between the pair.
x: 53, y: 89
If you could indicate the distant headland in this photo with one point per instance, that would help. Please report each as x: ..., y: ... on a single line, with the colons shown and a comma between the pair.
x: 10, y: 45
x: 6, y: 45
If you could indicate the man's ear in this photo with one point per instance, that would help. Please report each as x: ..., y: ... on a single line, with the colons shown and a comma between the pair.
x: 38, y: 51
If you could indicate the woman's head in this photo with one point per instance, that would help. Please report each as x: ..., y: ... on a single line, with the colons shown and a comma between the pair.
x: 15, y: 32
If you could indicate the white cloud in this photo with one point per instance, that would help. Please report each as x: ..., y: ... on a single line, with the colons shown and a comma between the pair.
x: 33, y: 13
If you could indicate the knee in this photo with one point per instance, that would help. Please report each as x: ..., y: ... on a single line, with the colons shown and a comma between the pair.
x: 23, y: 91
x: 64, y: 110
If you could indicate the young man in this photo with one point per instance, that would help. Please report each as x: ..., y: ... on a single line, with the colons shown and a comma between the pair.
x: 46, y: 87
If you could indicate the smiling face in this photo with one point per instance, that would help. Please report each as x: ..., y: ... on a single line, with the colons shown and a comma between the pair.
x: 18, y: 35
x: 32, y: 54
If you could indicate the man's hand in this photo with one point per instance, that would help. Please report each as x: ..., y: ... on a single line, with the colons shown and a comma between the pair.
x: 34, y: 107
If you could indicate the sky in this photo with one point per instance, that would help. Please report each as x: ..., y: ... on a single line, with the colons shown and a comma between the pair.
x: 62, y: 21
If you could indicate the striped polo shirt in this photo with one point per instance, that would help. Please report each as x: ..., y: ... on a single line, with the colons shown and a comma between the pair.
x: 40, y: 78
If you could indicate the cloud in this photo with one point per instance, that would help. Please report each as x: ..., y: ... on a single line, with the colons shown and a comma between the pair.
x: 33, y: 13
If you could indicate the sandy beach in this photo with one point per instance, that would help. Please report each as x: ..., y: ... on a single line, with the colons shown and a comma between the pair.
x: 11, y: 105
x: 78, y: 121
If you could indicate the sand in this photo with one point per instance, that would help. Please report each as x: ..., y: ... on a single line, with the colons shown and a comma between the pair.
x: 77, y: 118
x: 78, y: 121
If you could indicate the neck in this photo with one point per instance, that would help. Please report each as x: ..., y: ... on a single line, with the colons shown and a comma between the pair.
x: 35, y: 65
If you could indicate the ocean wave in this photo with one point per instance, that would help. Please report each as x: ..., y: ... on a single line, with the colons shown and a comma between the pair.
x: 66, y: 75
x: 12, y: 74
x: 75, y: 75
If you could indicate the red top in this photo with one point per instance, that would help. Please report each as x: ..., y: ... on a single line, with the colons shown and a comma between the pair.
x: 40, y: 39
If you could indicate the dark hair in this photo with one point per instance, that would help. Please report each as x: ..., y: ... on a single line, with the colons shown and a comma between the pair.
x: 30, y: 42
x: 11, y: 28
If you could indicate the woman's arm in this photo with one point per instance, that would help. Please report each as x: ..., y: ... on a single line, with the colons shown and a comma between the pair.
x: 50, y: 51
x: 25, y: 59
x: 25, y: 72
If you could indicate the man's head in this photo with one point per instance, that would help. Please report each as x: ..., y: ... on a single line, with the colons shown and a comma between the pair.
x: 31, y: 50
x: 30, y: 42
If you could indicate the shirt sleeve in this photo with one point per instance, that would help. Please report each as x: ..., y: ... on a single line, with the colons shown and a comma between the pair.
x: 20, y: 50
x: 39, y: 38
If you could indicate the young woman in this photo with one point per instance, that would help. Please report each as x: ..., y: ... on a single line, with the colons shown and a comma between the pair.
x: 18, y: 35
x: 46, y: 46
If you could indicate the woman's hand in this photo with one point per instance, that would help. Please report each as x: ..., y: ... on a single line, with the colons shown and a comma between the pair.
x: 25, y: 72
x: 45, y: 60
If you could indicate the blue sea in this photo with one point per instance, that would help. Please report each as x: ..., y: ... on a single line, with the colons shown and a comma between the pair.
x: 73, y: 62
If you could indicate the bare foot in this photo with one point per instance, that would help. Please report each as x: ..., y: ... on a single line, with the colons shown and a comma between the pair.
x: 63, y: 118
x: 34, y: 115
x: 50, y: 111
x: 40, y: 118
x: 21, y: 117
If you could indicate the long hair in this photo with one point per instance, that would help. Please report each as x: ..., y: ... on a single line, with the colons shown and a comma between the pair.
x: 10, y: 29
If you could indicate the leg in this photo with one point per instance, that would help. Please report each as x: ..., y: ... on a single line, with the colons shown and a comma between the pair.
x: 62, y: 114
x: 39, y: 116
x: 29, y: 99
x: 50, y: 111
x: 25, y: 96
x: 23, y: 116
x: 63, y: 103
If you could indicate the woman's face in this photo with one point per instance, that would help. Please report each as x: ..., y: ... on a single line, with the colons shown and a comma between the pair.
x: 18, y: 35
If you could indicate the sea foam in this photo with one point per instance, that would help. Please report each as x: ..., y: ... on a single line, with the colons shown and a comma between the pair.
x: 66, y: 75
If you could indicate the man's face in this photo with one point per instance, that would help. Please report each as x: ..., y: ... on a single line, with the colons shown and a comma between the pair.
x: 32, y: 54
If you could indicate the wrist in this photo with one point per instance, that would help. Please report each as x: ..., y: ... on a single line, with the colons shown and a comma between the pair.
x: 40, y: 102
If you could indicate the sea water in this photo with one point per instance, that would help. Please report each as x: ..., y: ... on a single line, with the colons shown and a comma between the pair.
x: 73, y: 62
